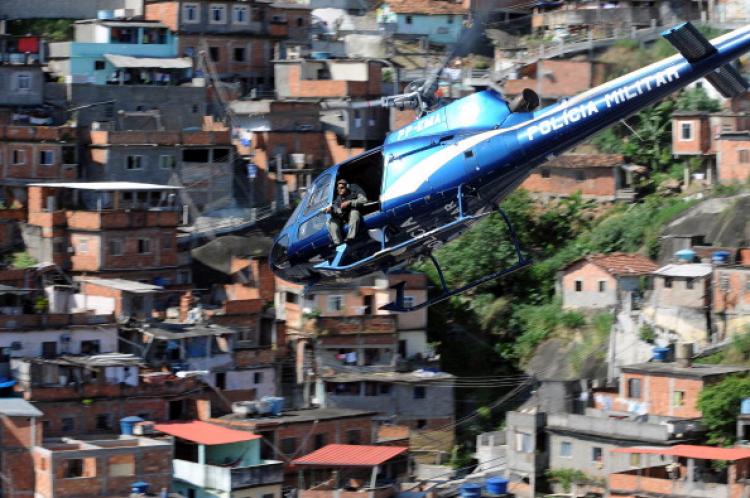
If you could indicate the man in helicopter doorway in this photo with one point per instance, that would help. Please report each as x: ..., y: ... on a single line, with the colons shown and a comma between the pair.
x: 345, y: 209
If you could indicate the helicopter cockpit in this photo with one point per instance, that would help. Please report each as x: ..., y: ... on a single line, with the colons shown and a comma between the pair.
x: 306, y: 227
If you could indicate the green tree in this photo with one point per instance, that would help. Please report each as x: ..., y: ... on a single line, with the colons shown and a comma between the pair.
x: 696, y: 99
x: 720, y: 404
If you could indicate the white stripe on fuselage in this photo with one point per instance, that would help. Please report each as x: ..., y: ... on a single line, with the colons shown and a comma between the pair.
x: 415, y: 177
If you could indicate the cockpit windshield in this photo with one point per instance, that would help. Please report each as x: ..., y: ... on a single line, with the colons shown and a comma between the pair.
x: 319, y: 195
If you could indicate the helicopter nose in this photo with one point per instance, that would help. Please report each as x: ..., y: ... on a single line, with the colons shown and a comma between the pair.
x: 280, y: 255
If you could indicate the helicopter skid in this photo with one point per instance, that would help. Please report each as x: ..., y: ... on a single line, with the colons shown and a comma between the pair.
x: 335, y: 265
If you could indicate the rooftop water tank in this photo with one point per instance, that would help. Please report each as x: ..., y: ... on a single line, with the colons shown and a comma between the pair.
x: 720, y: 257
x: 139, y: 487
x: 470, y: 490
x: 685, y: 255
x: 660, y: 354
x: 497, y: 485
x: 277, y: 404
x: 127, y: 424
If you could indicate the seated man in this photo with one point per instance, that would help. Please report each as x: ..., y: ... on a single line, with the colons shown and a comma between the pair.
x: 345, y: 209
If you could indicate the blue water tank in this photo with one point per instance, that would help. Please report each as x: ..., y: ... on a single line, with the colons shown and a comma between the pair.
x: 687, y: 255
x: 720, y: 257
x: 276, y: 402
x: 660, y: 354
x: 127, y: 424
x: 745, y: 407
x: 320, y: 55
x: 497, y: 485
x: 139, y: 487
x: 471, y: 491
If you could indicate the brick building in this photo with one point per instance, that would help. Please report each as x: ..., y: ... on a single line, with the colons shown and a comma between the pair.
x: 603, y: 177
x: 21, y: 75
x: 297, y: 432
x: 108, y: 229
x: 664, y: 389
x: 102, y: 467
x: 731, y: 298
x: 235, y: 39
x: 342, y: 469
x: 115, y: 385
x: 554, y: 79
x: 21, y: 432
x: 683, y: 470
x: 720, y: 140
x: 599, y: 280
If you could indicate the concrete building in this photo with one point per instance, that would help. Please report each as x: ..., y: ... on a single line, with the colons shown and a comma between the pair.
x: 731, y: 298
x: 119, y: 52
x: 436, y: 22
x: 680, y: 303
x: 201, y: 163
x: 178, y: 107
x: 603, y: 177
x: 21, y: 76
x: 218, y: 462
x: 101, y: 467
x: 107, y: 229
x: 598, y: 281
x: 691, y: 472
x: 342, y: 469
x: 70, y: 9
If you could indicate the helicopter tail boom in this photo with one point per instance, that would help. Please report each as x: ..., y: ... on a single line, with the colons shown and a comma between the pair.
x: 556, y: 128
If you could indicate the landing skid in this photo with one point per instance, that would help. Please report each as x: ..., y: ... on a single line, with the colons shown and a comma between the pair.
x: 398, y: 303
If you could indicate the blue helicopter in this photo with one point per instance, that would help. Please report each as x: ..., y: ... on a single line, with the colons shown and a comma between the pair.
x: 433, y: 179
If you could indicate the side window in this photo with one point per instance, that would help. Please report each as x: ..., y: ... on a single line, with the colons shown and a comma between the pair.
x: 319, y: 195
x: 311, y: 226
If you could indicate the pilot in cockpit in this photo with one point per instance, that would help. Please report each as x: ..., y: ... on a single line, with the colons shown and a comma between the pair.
x: 345, y: 209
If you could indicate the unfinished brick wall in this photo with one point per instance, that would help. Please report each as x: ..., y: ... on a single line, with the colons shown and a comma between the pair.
x: 166, y: 12
x: 733, y: 159
x: 596, y: 182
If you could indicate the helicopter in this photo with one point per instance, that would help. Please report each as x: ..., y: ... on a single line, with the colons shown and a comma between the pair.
x: 434, y: 178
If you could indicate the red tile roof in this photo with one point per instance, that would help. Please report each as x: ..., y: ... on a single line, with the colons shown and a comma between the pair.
x: 573, y: 161
x: 620, y: 263
x: 692, y: 451
x: 350, y: 455
x: 428, y: 7
x: 205, y: 433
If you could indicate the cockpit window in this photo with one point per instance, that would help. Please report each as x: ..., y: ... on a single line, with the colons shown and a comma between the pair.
x: 319, y: 195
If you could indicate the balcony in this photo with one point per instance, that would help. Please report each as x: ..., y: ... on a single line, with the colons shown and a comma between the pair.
x: 169, y: 387
x: 657, y: 481
x: 165, y: 138
x: 37, y: 133
x: 378, y: 492
x: 228, y: 478
x: 623, y: 16
x: 123, y: 218
x: 357, y: 324
x: 610, y: 426
x: 58, y: 320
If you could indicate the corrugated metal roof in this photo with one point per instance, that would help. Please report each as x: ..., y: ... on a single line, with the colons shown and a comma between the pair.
x: 692, y: 451
x: 106, y: 186
x: 205, y: 433
x: 350, y: 455
x: 122, y: 284
x: 140, y: 62
x: 688, y: 270
x: 619, y: 263
x: 17, y: 407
